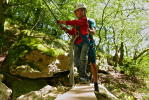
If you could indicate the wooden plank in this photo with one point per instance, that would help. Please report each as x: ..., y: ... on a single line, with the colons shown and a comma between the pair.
x: 79, y: 92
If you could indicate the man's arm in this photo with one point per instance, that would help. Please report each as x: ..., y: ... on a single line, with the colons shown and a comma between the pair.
x: 78, y: 22
x: 69, y: 31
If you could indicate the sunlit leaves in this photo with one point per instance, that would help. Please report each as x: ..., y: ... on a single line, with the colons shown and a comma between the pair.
x: 127, y: 17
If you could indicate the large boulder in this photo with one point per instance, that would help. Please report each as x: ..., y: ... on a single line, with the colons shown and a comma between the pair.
x: 5, y: 92
x: 37, y: 64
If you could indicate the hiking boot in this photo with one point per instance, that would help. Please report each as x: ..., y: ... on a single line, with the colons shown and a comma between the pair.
x: 83, y: 80
x: 96, y: 88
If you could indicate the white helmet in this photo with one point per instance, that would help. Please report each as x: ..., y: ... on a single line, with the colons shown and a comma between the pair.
x: 79, y: 5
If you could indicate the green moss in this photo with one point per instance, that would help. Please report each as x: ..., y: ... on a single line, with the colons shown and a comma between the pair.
x: 17, y: 52
x: 54, y: 52
x: 26, y: 44
x: 38, y: 44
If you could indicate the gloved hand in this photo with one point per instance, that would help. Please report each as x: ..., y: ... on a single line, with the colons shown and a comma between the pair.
x: 63, y: 28
x: 61, y: 22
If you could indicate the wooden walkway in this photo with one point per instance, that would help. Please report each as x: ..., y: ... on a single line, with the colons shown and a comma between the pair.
x: 79, y: 92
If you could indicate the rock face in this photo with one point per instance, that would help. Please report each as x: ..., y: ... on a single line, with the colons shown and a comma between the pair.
x: 5, y: 92
x: 46, y: 93
x: 1, y: 77
x: 43, y: 65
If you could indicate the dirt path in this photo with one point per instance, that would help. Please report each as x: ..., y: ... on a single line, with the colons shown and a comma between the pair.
x: 79, y: 92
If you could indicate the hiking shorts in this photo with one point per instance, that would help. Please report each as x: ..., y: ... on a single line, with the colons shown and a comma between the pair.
x: 92, y: 54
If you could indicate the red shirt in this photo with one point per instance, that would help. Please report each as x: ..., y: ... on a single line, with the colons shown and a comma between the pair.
x: 82, y: 23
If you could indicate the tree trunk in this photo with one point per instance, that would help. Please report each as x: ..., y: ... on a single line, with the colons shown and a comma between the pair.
x: 121, y: 54
x: 116, y: 57
x: 2, y: 14
x: 126, y: 51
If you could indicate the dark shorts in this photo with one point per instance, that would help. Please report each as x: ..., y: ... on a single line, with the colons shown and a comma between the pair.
x: 92, y: 54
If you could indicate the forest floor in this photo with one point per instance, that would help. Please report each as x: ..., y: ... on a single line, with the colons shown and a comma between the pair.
x: 124, y: 86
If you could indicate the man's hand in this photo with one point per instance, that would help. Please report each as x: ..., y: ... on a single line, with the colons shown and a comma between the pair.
x: 92, y: 31
x: 63, y: 28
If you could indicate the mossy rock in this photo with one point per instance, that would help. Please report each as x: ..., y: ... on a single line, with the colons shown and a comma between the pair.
x: 36, y: 64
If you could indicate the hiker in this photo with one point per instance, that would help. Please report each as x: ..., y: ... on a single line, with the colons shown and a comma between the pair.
x: 92, y: 53
x: 81, y: 43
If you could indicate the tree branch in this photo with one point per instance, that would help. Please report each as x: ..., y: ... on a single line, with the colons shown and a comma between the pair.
x: 144, y: 51
x: 102, y: 22
x: 124, y: 10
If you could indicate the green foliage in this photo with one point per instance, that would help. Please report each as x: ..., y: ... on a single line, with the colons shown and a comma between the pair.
x: 17, y: 52
x: 137, y: 67
x: 130, y: 69
x: 143, y: 64
x: 127, y: 97
x: 119, y: 14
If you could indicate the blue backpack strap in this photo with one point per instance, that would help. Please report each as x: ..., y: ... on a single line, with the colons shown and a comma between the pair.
x: 92, y: 24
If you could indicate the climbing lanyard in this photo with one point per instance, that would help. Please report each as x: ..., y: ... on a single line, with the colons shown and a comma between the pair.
x: 59, y: 9
x: 50, y: 10
x: 53, y: 14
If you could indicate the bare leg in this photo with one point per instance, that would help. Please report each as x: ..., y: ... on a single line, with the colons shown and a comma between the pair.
x: 94, y: 72
x: 95, y: 76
